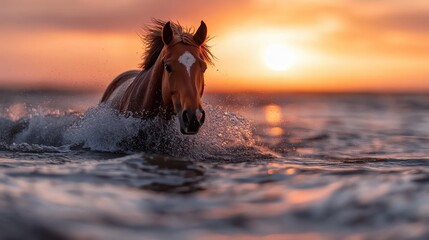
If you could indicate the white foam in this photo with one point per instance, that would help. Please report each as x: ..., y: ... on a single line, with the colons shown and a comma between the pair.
x: 103, y: 129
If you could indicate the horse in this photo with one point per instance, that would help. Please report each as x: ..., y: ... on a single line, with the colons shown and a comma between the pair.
x: 171, y: 80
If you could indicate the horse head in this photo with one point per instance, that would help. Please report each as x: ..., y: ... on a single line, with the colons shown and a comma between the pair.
x: 183, y: 76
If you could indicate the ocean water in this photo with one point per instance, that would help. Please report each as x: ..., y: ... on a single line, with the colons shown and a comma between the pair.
x: 264, y: 166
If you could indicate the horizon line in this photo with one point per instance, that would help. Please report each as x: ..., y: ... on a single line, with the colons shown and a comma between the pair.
x: 268, y: 91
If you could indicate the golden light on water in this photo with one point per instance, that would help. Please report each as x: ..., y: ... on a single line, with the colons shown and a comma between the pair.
x: 306, y: 196
x: 273, y: 116
x: 275, y: 131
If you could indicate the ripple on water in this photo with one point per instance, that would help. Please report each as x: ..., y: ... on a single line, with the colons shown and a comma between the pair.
x: 327, y: 172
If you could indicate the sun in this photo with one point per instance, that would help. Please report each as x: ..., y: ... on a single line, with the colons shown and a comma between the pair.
x: 277, y: 57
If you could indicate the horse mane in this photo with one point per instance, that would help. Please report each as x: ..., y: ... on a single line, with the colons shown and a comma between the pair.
x: 152, y: 39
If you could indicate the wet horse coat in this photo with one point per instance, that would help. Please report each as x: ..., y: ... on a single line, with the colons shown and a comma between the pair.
x: 171, y: 81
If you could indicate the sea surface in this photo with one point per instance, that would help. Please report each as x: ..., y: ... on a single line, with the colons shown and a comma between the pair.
x: 264, y: 166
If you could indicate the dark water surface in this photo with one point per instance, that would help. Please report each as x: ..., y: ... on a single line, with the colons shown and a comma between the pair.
x: 292, y: 166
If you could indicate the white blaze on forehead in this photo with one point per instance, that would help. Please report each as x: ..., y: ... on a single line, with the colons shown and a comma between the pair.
x: 188, y: 60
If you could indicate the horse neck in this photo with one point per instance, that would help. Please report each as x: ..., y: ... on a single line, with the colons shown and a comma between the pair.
x: 148, y: 89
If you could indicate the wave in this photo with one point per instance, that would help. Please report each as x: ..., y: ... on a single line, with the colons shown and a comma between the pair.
x: 102, y: 128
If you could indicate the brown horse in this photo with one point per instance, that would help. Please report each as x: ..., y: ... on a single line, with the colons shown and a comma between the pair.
x: 171, y: 80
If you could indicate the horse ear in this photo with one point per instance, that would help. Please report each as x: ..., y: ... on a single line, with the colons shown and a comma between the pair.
x: 201, y: 34
x: 167, y: 34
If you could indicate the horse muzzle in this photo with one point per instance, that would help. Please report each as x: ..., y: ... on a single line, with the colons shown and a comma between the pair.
x: 191, y: 121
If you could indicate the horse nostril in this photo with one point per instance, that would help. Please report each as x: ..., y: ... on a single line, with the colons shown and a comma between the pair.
x: 203, y: 117
x: 185, y: 117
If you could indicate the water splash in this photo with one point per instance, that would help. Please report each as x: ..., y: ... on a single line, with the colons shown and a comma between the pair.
x: 103, y: 129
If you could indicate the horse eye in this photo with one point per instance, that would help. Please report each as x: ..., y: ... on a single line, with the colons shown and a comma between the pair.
x: 167, y: 68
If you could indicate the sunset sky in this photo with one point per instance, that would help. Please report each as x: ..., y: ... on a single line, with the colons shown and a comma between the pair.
x: 348, y: 45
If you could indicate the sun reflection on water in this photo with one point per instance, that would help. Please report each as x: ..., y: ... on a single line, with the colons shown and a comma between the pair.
x: 273, y: 116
